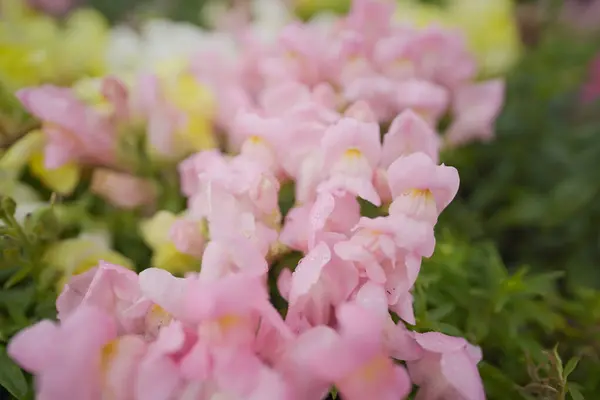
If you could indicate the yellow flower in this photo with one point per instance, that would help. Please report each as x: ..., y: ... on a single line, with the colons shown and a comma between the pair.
x: 75, y: 256
x: 84, y: 41
x: 421, y: 15
x: 197, y: 105
x: 35, y: 49
x: 62, y: 180
x: 19, y: 153
x: 29, y: 151
x: 492, y: 31
x: 490, y: 28
x: 155, y: 232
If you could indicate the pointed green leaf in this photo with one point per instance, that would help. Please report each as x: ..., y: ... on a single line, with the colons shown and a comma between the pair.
x: 570, y: 367
x: 575, y: 394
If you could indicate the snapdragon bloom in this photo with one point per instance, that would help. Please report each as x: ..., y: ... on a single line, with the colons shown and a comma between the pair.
x: 75, y: 132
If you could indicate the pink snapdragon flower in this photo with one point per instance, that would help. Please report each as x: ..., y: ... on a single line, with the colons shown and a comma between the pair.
x: 476, y: 107
x: 331, y: 212
x: 187, y: 236
x: 357, y: 361
x: 75, y: 345
x: 110, y: 288
x: 448, y: 368
x: 75, y: 132
x: 409, y: 134
x: 351, y: 151
x: 123, y: 190
x: 320, y: 282
x: 420, y: 188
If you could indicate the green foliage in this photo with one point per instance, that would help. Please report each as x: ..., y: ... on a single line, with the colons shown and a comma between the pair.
x: 14, y: 121
x: 466, y: 290
x: 535, y: 190
x: 11, y: 376
x: 179, y: 10
x: 25, y: 294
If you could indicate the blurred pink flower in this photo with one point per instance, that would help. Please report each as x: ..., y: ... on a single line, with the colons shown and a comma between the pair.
x: 591, y: 88
x: 123, y: 190
x: 74, y: 131
x: 54, y: 7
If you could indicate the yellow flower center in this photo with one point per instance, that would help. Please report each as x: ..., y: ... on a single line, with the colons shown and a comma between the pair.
x: 421, y: 193
x: 228, y: 322
x: 156, y: 318
x: 371, y: 371
x: 255, y: 139
x: 109, y: 352
x: 353, y: 153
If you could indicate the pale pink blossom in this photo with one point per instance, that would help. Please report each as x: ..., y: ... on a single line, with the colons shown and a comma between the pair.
x: 361, y: 111
x: 121, y: 359
x: 117, y: 94
x: 351, y: 151
x: 399, y: 341
x: 420, y: 188
x: 383, y: 244
x: 331, y: 212
x: 448, y: 368
x: 320, y: 282
x: 230, y: 309
x: 159, y: 375
x: 191, y: 168
x: 442, y: 56
x: 293, y: 365
x: 74, y: 131
x: 259, y: 137
x: 108, y: 287
x: 409, y: 133
x: 65, y: 358
x: 357, y: 362
x: 187, y: 236
x: 123, y: 190
x: 425, y: 98
x: 476, y: 107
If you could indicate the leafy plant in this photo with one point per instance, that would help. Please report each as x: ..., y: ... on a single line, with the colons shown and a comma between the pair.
x: 514, y: 315
x: 535, y: 189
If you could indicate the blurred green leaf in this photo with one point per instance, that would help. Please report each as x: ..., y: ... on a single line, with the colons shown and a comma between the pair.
x: 570, y: 367
x: 11, y: 376
x: 575, y: 394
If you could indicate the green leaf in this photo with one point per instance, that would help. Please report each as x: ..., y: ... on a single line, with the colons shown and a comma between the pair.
x: 19, y: 298
x: 570, y: 367
x: 575, y: 394
x: 20, y: 275
x: 441, y: 312
x: 287, y: 197
x: 11, y: 376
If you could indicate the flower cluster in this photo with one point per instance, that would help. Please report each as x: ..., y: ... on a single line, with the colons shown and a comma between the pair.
x: 346, y: 111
